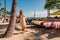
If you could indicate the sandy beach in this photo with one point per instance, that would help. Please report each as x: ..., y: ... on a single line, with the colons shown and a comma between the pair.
x: 31, y: 33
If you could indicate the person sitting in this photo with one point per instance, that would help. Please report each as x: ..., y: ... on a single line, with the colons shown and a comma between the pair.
x: 56, y: 17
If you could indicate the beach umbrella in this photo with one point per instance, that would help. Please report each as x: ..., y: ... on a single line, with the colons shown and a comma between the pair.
x: 55, y: 13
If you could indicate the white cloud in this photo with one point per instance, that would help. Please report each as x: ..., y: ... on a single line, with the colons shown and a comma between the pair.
x: 51, y: 11
x: 39, y: 13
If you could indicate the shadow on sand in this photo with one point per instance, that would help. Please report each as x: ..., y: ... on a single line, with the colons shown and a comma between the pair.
x: 2, y: 30
x: 52, y: 33
x: 3, y: 26
x: 38, y: 35
x: 1, y: 35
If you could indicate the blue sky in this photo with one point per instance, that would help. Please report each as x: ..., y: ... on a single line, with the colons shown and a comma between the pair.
x: 26, y: 4
x: 28, y: 7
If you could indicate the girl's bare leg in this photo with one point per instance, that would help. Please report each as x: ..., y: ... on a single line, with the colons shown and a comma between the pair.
x: 23, y: 29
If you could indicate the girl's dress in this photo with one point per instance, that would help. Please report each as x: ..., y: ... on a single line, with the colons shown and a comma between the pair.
x: 22, y: 22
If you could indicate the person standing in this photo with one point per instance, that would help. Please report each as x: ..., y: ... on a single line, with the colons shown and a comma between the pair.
x: 22, y: 21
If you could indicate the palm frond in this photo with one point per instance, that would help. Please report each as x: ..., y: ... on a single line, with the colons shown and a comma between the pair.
x: 0, y: 4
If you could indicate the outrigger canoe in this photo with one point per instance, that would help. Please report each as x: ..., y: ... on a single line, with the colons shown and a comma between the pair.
x: 47, y: 24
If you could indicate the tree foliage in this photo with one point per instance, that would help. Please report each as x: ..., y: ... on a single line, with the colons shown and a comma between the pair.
x: 0, y: 4
x: 8, y: 12
x: 2, y: 9
x: 50, y: 4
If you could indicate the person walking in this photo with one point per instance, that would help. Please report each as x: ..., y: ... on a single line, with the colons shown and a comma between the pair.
x: 22, y: 21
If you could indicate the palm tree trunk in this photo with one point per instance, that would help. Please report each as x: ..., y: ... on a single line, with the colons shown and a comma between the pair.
x: 4, y: 11
x: 1, y: 16
x: 10, y: 30
x: 48, y: 14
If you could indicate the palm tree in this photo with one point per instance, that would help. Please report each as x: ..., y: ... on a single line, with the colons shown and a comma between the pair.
x: 1, y: 10
x: 10, y: 30
x: 0, y: 4
x: 8, y: 12
x: 49, y: 5
x: 4, y: 11
x: 57, y: 5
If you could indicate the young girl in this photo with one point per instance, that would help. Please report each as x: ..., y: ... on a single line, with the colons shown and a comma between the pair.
x: 22, y: 21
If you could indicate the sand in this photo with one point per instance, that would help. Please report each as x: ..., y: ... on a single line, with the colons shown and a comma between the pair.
x: 31, y: 33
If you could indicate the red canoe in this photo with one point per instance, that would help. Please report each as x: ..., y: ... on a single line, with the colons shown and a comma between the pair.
x: 47, y: 24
